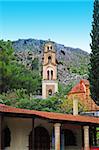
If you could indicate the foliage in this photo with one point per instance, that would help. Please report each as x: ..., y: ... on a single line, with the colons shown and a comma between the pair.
x: 97, y: 134
x: 26, y: 79
x: 6, y: 54
x: 20, y: 99
x: 81, y: 70
x: 67, y: 106
x: 57, y: 103
x: 94, y: 70
x: 35, y: 64
x: 64, y: 89
x: 14, y: 75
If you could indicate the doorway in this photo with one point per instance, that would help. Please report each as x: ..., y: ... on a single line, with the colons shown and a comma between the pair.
x: 41, y: 139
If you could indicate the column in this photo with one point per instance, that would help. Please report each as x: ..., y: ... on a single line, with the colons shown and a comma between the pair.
x: 86, y: 137
x: 75, y: 106
x: 57, y: 135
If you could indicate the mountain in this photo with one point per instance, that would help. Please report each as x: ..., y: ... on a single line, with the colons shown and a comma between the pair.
x: 72, y: 62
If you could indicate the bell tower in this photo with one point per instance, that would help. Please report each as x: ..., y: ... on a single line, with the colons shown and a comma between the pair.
x: 49, y: 81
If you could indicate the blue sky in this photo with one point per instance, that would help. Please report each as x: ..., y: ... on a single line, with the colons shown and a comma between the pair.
x: 65, y: 21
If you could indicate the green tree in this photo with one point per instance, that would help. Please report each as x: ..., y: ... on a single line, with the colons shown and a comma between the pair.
x: 26, y: 79
x: 6, y: 54
x: 94, y: 61
x: 64, y: 89
x: 14, y: 75
x: 57, y: 103
x: 35, y: 64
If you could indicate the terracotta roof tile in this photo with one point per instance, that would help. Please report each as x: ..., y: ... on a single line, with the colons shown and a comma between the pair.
x: 87, y: 100
x: 49, y: 115
x: 78, y: 88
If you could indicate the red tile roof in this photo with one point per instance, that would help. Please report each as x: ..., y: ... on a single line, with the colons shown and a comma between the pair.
x: 49, y: 115
x: 83, y: 88
x: 80, y: 87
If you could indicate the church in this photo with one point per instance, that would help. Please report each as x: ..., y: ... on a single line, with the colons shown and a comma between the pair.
x: 22, y: 129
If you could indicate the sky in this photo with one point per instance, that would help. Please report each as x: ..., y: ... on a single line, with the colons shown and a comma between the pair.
x: 67, y: 22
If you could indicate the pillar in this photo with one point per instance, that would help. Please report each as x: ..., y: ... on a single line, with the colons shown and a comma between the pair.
x: 86, y: 137
x: 75, y: 106
x: 57, y: 135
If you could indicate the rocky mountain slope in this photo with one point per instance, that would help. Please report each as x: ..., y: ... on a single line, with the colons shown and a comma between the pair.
x: 72, y: 63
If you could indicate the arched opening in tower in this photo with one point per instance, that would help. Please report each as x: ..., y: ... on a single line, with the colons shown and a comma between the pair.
x: 47, y: 47
x: 50, y: 92
x: 48, y: 75
x: 50, y: 47
x: 51, y: 74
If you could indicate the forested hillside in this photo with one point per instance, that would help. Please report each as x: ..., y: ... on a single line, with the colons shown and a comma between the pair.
x: 72, y: 63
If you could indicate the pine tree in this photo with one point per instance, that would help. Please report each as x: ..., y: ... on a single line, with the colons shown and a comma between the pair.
x: 14, y: 75
x: 6, y: 51
x: 94, y: 61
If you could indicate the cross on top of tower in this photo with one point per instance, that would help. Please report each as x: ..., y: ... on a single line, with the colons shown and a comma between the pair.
x: 49, y: 39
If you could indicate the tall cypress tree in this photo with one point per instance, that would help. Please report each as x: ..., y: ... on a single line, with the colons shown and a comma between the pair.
x: 94, y: 60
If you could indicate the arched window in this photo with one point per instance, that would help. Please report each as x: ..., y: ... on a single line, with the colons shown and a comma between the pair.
x: 47, y: 47
x: 7, y: 137
x: 50, y: 92
x: 50, y: 47
x: 48, y: 75
x: 51, y: 74
x: 49, y: 59
x: 69, y: 138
